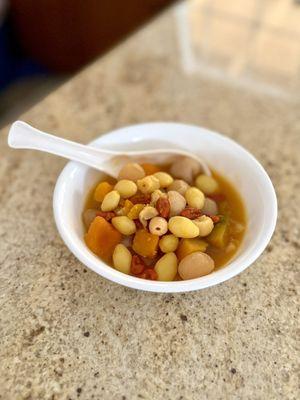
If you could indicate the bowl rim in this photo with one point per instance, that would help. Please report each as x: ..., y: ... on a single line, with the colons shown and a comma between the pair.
x: 89, y: 259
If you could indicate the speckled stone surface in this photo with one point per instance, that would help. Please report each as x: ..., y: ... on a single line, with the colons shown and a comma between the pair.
x: 66, y: 333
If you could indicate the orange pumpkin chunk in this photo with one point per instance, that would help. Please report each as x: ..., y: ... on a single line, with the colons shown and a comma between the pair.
x: 101, y: 191
x: 188, y: 246
x: 102, y: 238
x: 145, y: 244
x: 150, y: 169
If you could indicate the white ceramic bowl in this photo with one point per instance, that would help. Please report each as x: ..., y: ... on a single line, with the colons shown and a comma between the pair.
x: 226, y: 156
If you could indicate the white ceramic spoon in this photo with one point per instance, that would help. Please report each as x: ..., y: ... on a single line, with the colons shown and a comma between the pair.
x: 24, y: 136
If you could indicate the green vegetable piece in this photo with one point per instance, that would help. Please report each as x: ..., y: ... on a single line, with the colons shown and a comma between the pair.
x: 219, y: 237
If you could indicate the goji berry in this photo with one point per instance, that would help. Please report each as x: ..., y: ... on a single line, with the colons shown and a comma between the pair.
x: 215, y: 218
x: 137, y: 265
x: 107, y: 215
x: 152, y: 274
x: 140, y: 199
x: 138, y: 224
x: 148, y: 274
x: 191, y: 213
x: 163, y: 207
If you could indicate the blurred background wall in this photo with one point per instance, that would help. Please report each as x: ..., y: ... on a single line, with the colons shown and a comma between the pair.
x: 65, y: 34
x: 44, y: 41
x: 249, y: 43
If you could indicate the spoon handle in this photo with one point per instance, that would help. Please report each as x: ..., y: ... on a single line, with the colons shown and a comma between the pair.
x: 24, y: 136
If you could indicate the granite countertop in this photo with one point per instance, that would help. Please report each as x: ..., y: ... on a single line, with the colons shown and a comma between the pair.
x: 67, y: 333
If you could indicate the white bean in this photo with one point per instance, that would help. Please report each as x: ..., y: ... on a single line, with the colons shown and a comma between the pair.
x: 194, y: 197
x: 179, y: 186
x: 207, y: 184
x: 168, y: 243
x: 177, y: 202
x: 185, y: 168
x: 131, y: 171
x: 210, y: 207
x: 110, y: 201
x: 124, y: 225
x: 88, y: 216
x: 183, y: 227
x: 166, y: 267
x: 122, y: 258
x: 195, y: 265
x: 205, y: 225
x: 165, y: 179
x: 126, y: 188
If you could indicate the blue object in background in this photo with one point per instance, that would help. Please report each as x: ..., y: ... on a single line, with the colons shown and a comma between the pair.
x: 14, y: 63
x: 5, y: 59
